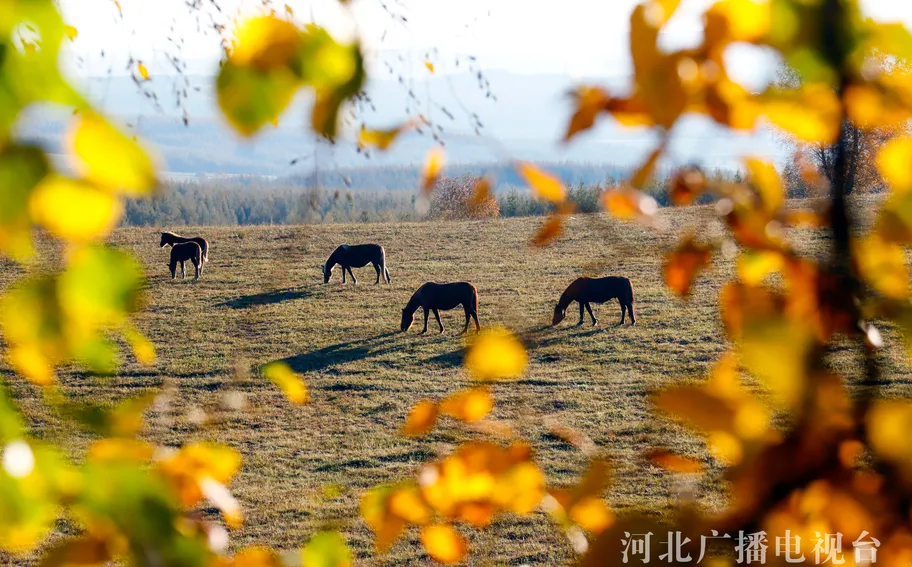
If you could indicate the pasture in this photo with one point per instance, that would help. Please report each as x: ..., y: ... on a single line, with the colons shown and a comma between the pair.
x: 261, y: 298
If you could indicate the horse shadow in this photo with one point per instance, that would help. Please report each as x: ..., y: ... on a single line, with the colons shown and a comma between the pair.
x: 341, y: 353
x: 266, y: 298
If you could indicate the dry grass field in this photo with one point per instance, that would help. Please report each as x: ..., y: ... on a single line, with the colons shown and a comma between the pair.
x: 262, y: 298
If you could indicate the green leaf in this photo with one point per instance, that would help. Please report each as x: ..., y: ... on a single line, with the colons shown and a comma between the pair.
x: 326, y: 549
x: 250, y: 98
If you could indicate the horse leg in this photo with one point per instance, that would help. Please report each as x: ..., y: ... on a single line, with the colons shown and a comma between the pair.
x: 183, y: 273
x: 623, y: 312
x: 197, y: 264
x: 633, y: 320
x: 437, y: 316
x: 343, y: 273
x: 582, y: 313
x: 377, y: 268
x: 426, y: 314
x: 352, y: 274
x: 477, y: 326
x: 386, y: 273
x: 589, y: 309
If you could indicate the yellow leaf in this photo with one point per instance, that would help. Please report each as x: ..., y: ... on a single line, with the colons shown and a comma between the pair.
x: 468, y: 405
x: 496, y: 354
x: 591, y: 513
x: 74, y: 210
x: 326, y: 549
x: 288, y: 10
x: 765, y: 179
x: 429, y: 65
x: 893, y: 163
x: 433, y: 165
x: 71, y: 32
x: 143, y: 72
x: 421, y: 419
x: 291, y: 383
x: 590, y: 101
x: 883, y: 264
x: 628, y: 203
x: 739, y: 20
x: 443, y: 543
x: 380, y: 139
x: 120, y: 449
x: 755, y: 265
x: 545, y: 185
x: 111, y: 159
x: 811, y: 113
x: 888, y: 426
x: 29, y: 361
x: 142, y: 347
x: 406, y: 503
x: 266, y: 43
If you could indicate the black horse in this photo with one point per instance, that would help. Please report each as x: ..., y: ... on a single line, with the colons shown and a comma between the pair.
x: 357, y: 256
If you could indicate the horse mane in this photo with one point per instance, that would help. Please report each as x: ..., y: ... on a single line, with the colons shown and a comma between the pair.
x: 169, y: 233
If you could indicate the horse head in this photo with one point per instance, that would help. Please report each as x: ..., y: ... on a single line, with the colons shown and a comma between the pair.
x: 559, y: 315
x: 406, y: 322
x: 326, y: 273
x: 164, y: 240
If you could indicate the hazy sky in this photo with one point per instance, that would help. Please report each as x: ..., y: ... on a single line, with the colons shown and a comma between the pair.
x: 576, y: 37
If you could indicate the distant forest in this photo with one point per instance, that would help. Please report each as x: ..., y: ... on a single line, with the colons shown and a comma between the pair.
x: 382, y: 194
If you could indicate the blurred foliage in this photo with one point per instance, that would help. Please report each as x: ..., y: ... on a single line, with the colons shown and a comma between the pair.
x: 133, y: 500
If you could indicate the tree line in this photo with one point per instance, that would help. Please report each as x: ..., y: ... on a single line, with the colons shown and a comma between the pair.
x: 259, y: 201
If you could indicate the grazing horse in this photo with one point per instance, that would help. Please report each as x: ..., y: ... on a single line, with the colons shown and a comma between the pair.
x: 357, y: 256
x: 433, y: 296
x: 181, y: 252
x: 172, y: 239
x: 595, y: 290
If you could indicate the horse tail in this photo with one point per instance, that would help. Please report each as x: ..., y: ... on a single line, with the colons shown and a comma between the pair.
x: 386, y: 272
x: 205, y: 250
x: 630, y: 299
x: 475, y: 292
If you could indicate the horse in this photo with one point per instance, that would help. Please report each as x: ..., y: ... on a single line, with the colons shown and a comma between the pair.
x: 172, y: 239
x: 432, y: 296
x: 357, y: 256
x: 183, y: 251
x: 595, y: 290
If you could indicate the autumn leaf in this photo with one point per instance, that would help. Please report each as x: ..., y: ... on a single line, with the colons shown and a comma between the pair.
x: 111, y: 159
x: 143, y: 72
x: 429, y: 65
x: 683, y: 264
x: 496, y: 354
x: 444, y: 543
x: 380, y: 139
x: 544, y: 185
x: 433, y: 165
x: 811, y: 113
x: 291, y: 383
x: 765, y: 179
x: 74, y: 210
x: 883, y: 264
x: 551, y: 229
x: 326, y: 549
x: 687, y: 185
x: 468, y: 405
x: 590, y: 101
x: 421, y: 418
x: 71, y: 32
x: 629, y: 204
x: 893, y: 161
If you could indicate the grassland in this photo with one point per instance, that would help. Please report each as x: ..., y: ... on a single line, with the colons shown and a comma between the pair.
x: 261, y: 298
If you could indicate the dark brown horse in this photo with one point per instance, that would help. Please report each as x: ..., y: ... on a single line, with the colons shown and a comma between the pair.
x: 169, y: 238
x: 357, y: 256
x: 433, y: 296
x: 596, y: 290
x: 181, y: 252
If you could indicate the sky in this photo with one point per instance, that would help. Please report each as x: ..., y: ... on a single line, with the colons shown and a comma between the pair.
x: 574, y: 37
